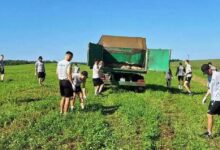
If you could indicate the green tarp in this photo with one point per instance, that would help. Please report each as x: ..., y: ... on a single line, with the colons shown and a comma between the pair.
x: 158, y: 59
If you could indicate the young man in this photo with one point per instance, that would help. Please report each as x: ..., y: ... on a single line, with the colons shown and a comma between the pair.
x: 169, y: 76
x: 97, y: 81
x: 188, y: 76
x: 64, y: 72
x: 40, y: 70
x: 2, y: 67
x: 213, y: 68
x: 180, y: 74
x: 76, y: 68
x: 78, y: 79
x: 214, y: 106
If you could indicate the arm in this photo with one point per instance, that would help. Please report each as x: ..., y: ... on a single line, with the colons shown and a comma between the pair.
x: 69, y: 73
x: 84, y: 89
x: 36, y: 65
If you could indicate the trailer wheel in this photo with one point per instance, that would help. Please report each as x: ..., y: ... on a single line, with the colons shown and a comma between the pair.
x: 140, y: 89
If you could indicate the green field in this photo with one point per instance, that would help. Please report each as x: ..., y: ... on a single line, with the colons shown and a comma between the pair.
x: 121, y: 119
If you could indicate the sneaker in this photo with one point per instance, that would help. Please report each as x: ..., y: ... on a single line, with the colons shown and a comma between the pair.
x: 190, y: 94
x: 82, y: 106
x: 207, y: 135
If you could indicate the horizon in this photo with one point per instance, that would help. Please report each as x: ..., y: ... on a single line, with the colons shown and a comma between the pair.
x: 49, y: 28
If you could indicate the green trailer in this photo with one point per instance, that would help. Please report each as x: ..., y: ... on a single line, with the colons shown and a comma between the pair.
x: 127, y: 59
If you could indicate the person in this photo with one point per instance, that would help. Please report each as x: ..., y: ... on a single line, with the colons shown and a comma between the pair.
x: 214, y: 106
x: 2, y: 67
x: 169, y: 76
x: 40, y: 70
x: 208, y: 83
x: 97, y: 82
x: 101, y: 65
x: 64, y: 72
x: 188, y: 77
x: 180, y: 74
x: 78, y: 80
x: 76, y: 68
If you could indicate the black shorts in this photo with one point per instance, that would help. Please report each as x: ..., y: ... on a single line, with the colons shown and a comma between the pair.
x: 77, y: 89
x: 2, y: 71
x: 180, y: 78
x: 188, y: 79
x: 66, y: 89
x: 97, y: 82
x: 41, y: 74
x: 214, y: 108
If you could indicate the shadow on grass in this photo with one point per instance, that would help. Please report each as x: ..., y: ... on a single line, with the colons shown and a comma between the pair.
x: 105, y: 110
x: 155, y: 87
x: 28, y: 100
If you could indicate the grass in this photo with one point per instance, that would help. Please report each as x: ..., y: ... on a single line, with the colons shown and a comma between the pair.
x: 121, y: 119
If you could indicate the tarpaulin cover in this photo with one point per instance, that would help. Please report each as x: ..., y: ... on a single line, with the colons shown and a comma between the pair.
x: 158, y: 59
x: 123, y: 42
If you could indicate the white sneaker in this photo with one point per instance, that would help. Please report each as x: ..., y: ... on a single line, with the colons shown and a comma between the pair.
x: 82, y: 106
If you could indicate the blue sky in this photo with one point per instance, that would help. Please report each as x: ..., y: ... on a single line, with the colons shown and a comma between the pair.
x: 29, y: 28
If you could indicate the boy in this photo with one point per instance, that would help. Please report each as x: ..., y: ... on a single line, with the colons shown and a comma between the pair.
x: 78, y: 79
x: 180, y: 74
x: 40, y: 70
x: 188, y: 77
x: 64, y: 72
x: 2, y: 67
x: 169, y: 76
x: 214, y: 106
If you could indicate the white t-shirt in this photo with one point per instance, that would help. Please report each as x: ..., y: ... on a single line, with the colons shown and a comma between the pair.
x: 188, y: 70
x: 39, y: 66
x: 95, y: 70
x: 180, y: 71
x: 215, y: 86
x: 62, y: 69
x: 76, y: 79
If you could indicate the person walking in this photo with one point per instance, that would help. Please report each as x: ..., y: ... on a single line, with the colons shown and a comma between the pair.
x: 180, y: 74
x: 188, y: 77
x: 64, y: 72
x: 2, y: 67
x: 214, y: 106
x: 169, y: 76
x: 40, y: 70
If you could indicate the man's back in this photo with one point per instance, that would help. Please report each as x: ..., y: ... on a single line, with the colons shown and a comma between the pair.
x: 62, y: 68
x: 215, y: 86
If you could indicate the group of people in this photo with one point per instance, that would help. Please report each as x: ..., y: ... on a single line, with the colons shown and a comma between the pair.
x: 72, y: 83
x: 184, y: 74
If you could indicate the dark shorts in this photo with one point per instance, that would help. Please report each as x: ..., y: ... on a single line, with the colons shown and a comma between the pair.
x: 41, y: 74
x: 180, y: 78
x: 77, y: 89
x: 214, y: 108
x: 188, y: 79
x: 2, y: 71
x: 66, y: 89
x: 97, y: 82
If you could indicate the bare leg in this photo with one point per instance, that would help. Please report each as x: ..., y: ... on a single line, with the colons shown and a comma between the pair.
x: 210, y: 123
x: 73, y: 101
x: 96, y: 90
x: 2, y: 77
x: 62, y: 104
x: 186, y: 86
x: 66, y: 105
x: 100, y: 88
x: 81, y: 100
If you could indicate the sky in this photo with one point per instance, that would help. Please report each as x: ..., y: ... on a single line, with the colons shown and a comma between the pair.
x: 30, y: 28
